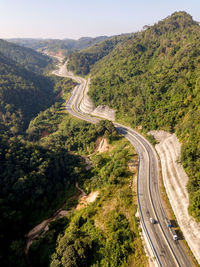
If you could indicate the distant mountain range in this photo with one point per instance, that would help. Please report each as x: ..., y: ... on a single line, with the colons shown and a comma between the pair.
x: 66, y: 46
x: 151, y: 79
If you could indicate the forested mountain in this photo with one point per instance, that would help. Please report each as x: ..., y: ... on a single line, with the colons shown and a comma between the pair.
x: 41, y: 161
x: 32, y: 177
x: 81, y: 62
x: 86, y: 238
x: 153, y: 80
x: 66, y: 46
x: 33, y: 180
x: 22, y: 94
x: 26, y: 57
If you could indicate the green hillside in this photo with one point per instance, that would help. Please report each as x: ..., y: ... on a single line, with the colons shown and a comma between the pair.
x: 32, y: 176
x: 22, y: 94
x: 153, y: 80
x: 32, y: 179
x: 42, y: 159
x: 26, y: 57
x: 81, y: 62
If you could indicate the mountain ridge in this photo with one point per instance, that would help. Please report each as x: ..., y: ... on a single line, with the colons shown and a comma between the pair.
x: 67, y: 45
x: 23, y: 94
x: 152, y: 81
x: 26, y: 57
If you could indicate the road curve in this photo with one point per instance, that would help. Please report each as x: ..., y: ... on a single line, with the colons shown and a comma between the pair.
x: 166, y: 251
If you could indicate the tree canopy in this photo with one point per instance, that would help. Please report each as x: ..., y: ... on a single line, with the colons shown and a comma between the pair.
x: 26, y: 57
x: 82, y: 62
x: 152, y: 80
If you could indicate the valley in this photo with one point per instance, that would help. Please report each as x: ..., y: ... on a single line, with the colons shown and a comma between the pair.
x: 99, y: 148
x: 103, y: 183
x: 153, y: 205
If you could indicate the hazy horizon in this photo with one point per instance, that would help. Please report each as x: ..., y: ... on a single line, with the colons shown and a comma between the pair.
x: 75, y: 19
x: 29, y: 38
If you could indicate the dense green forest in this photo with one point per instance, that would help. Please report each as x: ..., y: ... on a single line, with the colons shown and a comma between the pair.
x: 26, y: 57
x: 86, y: 237
x: 81, y: 62
x: 31, y: 179
x: 152, y: 80
x: 36, y: 179
x: 31, y: 174
x: 66, y: 46
x: 23, y: 94
x: 105, y: 233
x: 42, y: 152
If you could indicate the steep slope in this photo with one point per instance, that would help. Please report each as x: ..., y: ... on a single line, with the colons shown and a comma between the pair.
x: 152, y: 81
x: 33, y: 177
x: 81, y: 62
x: 22, y: 94
x: 26, y: 57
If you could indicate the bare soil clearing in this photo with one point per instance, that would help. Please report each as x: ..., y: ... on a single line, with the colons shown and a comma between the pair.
x: 103, y: 146
x: 43, y: 227
x: 175, y: 181
x: 85, y: 200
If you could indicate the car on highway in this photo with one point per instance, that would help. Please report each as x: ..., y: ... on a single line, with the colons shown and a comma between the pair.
x: 174, y: 235
x: 152, y: 220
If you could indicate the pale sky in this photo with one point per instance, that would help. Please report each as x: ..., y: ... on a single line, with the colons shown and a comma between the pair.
x: 77, y: 18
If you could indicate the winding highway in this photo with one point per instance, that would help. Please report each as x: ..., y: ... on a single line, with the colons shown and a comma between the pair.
x: 165, y: 250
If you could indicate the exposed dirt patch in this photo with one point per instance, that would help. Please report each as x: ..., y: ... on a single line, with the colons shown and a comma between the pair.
x: 44, y: 133
x: 98, y: 141
x: 85, y: 200
x: 42, y: 228
x: 103, y: 145
x: 58, y: 54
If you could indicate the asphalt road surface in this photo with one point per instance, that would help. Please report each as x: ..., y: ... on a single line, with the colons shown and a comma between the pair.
x: 166, y: 251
